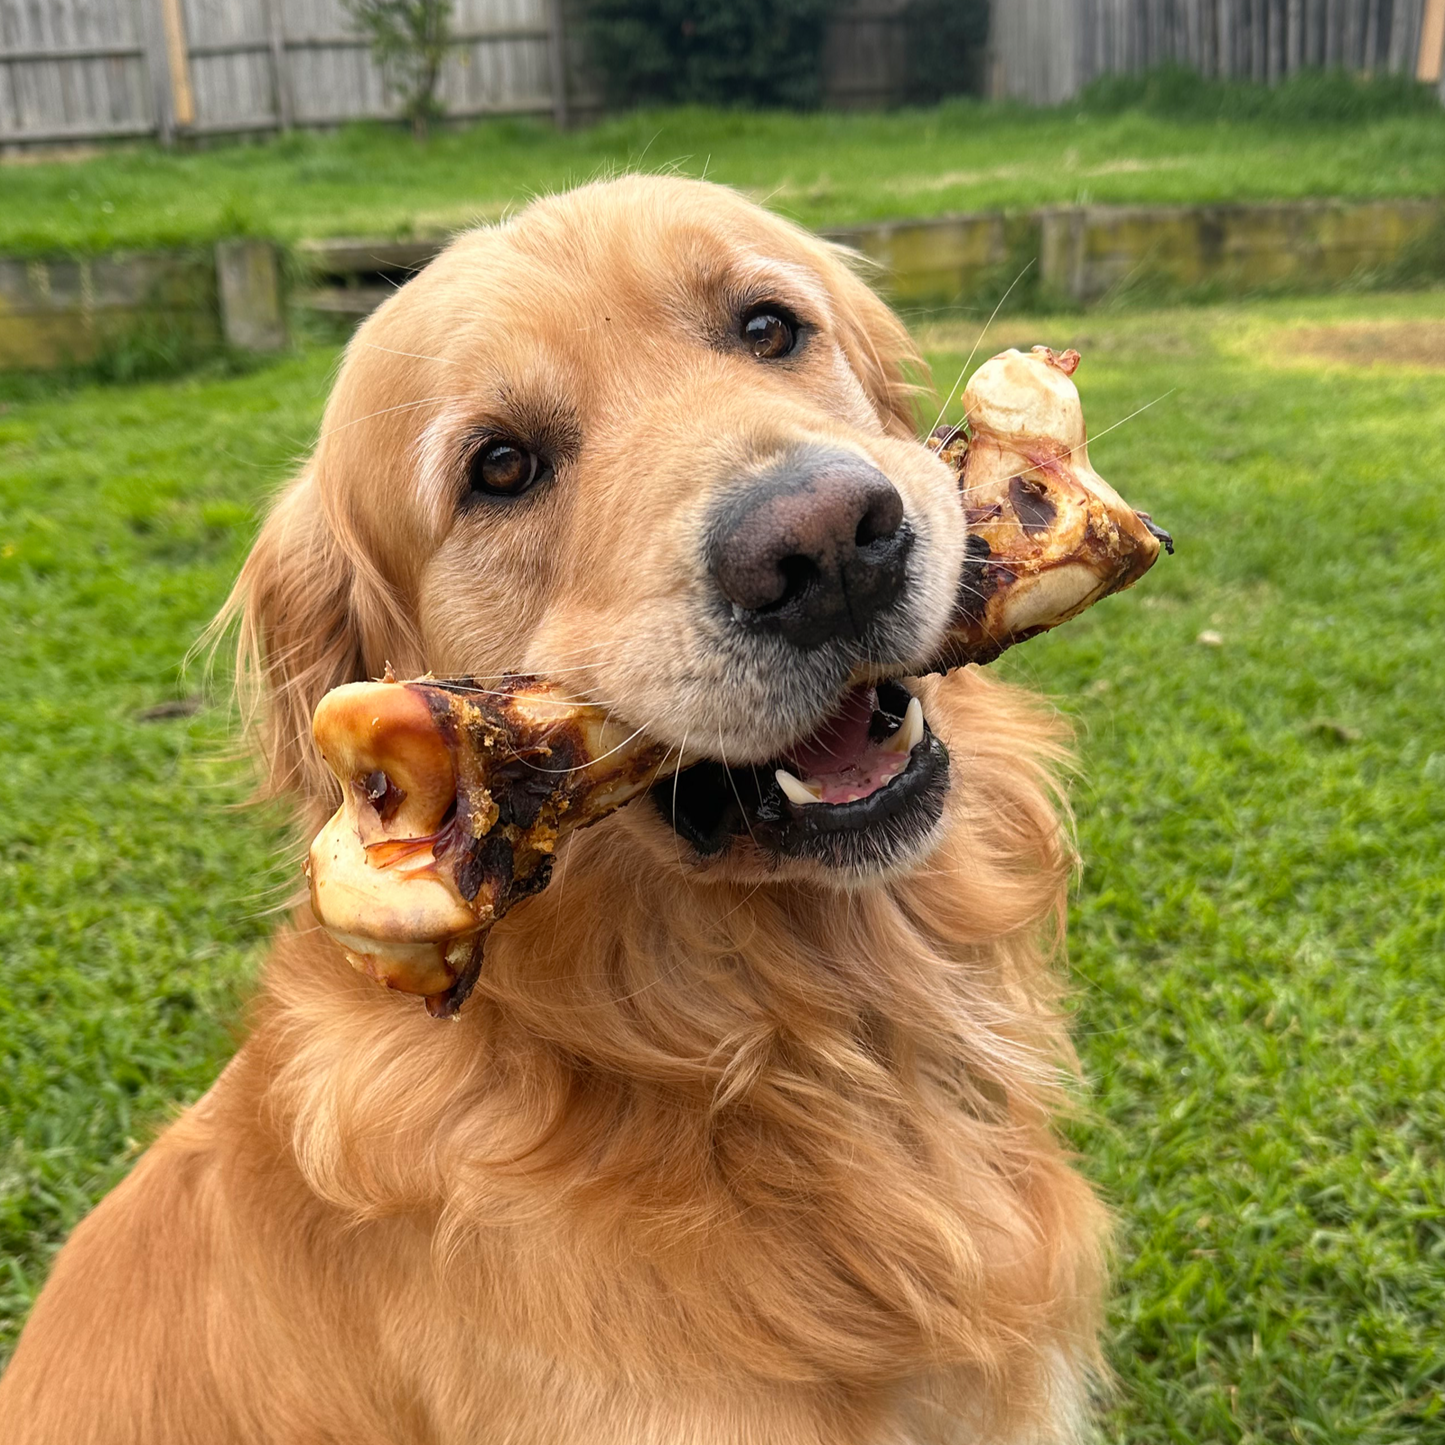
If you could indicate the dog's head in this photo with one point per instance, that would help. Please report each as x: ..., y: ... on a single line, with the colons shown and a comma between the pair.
x: 653, y: 442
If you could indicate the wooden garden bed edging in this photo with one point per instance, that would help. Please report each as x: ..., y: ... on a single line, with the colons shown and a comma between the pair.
x: 66, y: 310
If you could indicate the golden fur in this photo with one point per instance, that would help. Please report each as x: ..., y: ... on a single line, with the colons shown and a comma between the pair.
x: 720, y: 1155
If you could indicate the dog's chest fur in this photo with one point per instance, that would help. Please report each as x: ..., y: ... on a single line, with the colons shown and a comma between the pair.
x: 714, y: 1167
x: 767, y: 1179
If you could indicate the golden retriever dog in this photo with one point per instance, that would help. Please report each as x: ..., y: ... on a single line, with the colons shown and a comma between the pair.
x: 745, y: 1136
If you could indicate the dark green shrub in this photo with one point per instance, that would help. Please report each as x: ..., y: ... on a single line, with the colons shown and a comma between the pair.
x: 947, y: 40
x: 708, y: 52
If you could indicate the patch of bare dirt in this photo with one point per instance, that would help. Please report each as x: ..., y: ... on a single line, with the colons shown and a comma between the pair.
x: 40, y: 155
x: 1405, y: 344
x: 1158, y: 339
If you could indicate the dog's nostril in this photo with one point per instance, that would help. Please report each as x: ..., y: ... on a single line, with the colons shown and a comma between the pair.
x: 882, y: 519
x: 798, y: 573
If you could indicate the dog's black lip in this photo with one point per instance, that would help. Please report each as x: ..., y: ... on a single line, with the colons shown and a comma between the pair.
x: 710, y: 805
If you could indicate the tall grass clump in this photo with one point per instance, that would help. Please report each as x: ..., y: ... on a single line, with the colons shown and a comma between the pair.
x: 1308, y: 97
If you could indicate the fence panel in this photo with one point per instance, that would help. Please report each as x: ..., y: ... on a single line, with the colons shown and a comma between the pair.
x: 230, y: 65
x: 505, y: 63
x: 1044, y: 51
x: 865, y: 55
x: 86, y: 69
x: 72, y: 69
x: 83, y: 69
x: 328, y: 67
x: 259, y: 64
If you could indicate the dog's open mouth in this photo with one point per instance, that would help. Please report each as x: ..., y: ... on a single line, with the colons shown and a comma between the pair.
x: 861, y: 793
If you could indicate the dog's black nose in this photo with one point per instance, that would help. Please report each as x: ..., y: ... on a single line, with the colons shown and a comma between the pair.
x: 814, y: 548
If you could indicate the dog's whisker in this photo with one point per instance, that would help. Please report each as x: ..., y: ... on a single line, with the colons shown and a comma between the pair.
x: 677, y: 837
x: 742, y: 807
x: 414, y: 355
x: 744, y: 900
x: 387, y: 411
x: 563, y: 703
x: 1038, y: 466
x: 582, y: 767
x: 948, y: 400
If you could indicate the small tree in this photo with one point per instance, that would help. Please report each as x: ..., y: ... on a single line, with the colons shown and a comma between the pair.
x: 409, y: 39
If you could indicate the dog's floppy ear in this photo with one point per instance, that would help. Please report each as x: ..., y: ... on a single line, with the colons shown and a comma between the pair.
x: 877, y: 344
x: 313, y: 613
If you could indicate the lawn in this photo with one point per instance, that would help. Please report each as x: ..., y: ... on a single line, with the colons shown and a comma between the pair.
x: 1257, y: 932
x: 821, y: 169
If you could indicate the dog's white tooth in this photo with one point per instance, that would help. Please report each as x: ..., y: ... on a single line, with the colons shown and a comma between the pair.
x: 797, y: 790
x: 910, y: 730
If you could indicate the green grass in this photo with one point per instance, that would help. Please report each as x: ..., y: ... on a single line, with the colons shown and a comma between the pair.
x: 1260, y: 924
x: 822, y: 169
x: 129, y: 919
x: 1257, y: 935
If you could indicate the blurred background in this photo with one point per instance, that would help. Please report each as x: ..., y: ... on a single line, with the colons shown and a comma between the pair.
x: 79, y: 70
x: 252, y: 157
x: 1235, y: 209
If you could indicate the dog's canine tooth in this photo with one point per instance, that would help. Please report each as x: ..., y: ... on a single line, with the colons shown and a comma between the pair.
x: 910, y: 730
x: 797, y: 790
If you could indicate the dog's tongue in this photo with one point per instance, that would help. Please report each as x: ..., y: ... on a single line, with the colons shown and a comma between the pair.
x: 841, y: 741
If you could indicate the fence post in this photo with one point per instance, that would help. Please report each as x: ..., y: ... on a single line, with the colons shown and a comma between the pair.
x: 557, y: 62
x: 248, y: 283
x: 1432, y: 42
x: 183, y: 100
x: 280, y: 75
x: 1061, y: 251
x: 153, y: 38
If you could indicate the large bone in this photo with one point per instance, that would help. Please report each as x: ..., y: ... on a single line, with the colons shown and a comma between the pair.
x: 456, y: 794
x: 454, y: 797
x: 1047, y: 535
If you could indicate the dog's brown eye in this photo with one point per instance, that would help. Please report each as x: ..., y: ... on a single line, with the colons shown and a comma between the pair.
x: 769, y: 334
x: 505, y: 469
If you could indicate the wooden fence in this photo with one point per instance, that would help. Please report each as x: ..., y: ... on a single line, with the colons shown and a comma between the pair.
x: 91, y: 69
x: 73, y: 70
x: 865, y: 55
x: 1045, y: 50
